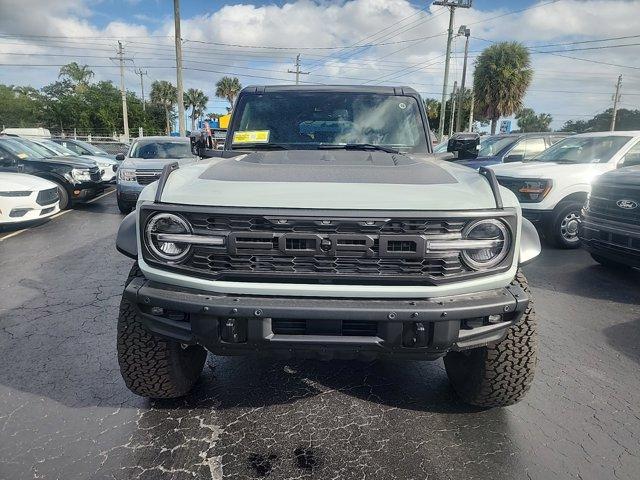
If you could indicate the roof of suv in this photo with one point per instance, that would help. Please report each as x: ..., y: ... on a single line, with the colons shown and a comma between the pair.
x: 399, y: 90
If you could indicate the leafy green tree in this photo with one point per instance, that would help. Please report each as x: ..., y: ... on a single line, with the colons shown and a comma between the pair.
x: 625, y: 120
x: 78, y: 74
x: 432, y: 106
x: 502, y: 76
x: 528, y: 121
x: 195, y: 99
x: 164, y: 94
x: 228, y: 88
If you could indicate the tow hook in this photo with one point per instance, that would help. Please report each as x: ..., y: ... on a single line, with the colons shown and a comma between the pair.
x: 414, y: 335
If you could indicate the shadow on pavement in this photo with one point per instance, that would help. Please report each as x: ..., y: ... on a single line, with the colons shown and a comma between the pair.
x: 625, y: 338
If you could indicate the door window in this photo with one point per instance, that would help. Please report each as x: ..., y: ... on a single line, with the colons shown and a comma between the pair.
x: 529, y: 147
x: 633, y: 156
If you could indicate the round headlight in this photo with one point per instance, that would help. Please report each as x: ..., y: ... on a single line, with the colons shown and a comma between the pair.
x: 496, y: 233
x: 167, y: 223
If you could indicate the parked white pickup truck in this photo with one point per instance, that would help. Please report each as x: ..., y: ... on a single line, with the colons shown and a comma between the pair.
x: 553, y: 186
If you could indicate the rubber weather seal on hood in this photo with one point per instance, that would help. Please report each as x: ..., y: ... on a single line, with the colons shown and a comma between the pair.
x: 167, y: 170
x: 493, y: 183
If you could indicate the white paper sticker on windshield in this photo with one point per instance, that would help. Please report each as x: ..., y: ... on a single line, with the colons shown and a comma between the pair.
x: 251, y: 136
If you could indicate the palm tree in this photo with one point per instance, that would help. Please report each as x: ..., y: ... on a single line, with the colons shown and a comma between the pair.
x: 164, y: 94
x: 228, y: 88
x: 502, y: 75
x: 78, y: 74
x: 195, y: 99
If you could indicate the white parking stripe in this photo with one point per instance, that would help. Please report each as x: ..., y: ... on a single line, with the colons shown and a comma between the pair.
x: 59, y: 214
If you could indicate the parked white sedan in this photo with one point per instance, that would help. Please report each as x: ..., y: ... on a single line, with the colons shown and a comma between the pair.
x: 25, y: 198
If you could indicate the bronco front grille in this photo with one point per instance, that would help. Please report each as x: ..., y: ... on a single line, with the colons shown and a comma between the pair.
x: 327, y: 249
x: 606, y: 200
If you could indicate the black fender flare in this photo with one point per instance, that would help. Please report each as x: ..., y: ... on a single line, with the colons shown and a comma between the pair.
x: 530, y: 246
x: 127, y: 239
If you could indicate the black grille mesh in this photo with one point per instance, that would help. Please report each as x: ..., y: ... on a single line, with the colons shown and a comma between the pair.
x: 603, y: 203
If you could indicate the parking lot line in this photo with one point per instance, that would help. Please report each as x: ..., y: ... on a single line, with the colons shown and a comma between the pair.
x: 59, y: 214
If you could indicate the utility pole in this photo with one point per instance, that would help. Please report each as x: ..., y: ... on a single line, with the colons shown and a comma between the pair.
x: 453, y: 107
x: 141, y: 72
x: 125, y: 116
x: 616, y: 99
x: 297, y: 70
x: 467, y: 33
x: 473, y: 102
x: 178, y: 38
x: 452, y: 4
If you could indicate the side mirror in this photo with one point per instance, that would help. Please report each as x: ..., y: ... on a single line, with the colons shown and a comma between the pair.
x: 513, y: 158
x: 120, y: 157
x: 466, y: 145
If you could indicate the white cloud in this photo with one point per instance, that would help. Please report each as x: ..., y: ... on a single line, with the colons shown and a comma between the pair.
x: 305, y: 23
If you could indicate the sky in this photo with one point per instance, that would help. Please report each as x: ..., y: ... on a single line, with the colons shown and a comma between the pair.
x: 578, y: 47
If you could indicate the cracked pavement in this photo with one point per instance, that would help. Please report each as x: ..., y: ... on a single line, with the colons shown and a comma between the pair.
x: 65, y: 412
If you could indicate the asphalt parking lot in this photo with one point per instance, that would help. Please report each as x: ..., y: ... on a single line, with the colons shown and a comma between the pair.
x: 65, y: 412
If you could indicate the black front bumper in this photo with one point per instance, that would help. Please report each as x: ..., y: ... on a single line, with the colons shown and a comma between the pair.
x: 85, y: 191
x: 315, y: 327
x: 616, y: 241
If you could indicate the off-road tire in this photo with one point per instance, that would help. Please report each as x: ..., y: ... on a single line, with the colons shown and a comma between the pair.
x: 63, y: 197
x: 152, y: 366
x: 124, y: 208
x: 499, y: 374
x: 606, y: 262
x: 553, y: 232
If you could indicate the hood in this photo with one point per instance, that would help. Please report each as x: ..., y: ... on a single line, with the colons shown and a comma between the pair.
x: 78, y: 162
x: 20, y: 182
x: 546, y: 169
x: 154, y: 163
x: 101, y: 160
x: 627, y: 176
x: 330, y: 179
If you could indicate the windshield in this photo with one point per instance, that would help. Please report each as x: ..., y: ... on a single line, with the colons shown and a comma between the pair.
x: 309, y: 120
x: 32, y: 149
x: 57, y: 149
x: 490, y: 146
x: 160, y: 149
x: 92, y: 149
x: 583, y: 150
x: 19, y: 149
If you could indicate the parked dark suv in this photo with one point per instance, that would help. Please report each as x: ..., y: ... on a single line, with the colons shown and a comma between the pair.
x: 78, y: 180
x: 511, y: 147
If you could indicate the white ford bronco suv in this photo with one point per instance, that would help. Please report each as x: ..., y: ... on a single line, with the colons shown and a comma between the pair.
x: 326, y: 228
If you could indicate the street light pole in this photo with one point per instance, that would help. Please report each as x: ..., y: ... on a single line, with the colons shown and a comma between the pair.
x: 178, y: 38
x: 452, y: 4
x: 467, y: 33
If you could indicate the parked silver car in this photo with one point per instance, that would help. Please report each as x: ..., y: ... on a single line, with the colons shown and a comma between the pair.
x: 143, y: 165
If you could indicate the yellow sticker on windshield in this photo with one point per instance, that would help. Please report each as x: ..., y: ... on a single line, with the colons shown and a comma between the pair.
x: 22, y: 155
x: 251, y: 136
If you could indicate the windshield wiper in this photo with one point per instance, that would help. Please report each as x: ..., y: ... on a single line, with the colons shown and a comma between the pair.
x: 357, y: 146
x: 258, y: 146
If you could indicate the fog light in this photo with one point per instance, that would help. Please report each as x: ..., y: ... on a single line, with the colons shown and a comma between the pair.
x: 495, y: 319
x: 157, y: 311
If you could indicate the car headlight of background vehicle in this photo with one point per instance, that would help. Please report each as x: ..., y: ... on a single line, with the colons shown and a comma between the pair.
x: 534, y: 191
x: 17, y: 193
x: 126, y: 175
x: 492, y: 230
x: 167, y: 224
x: 81, y: 174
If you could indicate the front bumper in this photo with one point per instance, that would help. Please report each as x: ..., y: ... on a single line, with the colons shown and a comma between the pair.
x: 619, y: 242
x: 85, y: 191
x: 128, y: 192
x: 317, y: 327
x: 539, y: 218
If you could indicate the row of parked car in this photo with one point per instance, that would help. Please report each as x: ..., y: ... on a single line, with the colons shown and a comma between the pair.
x: 40, y: 176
